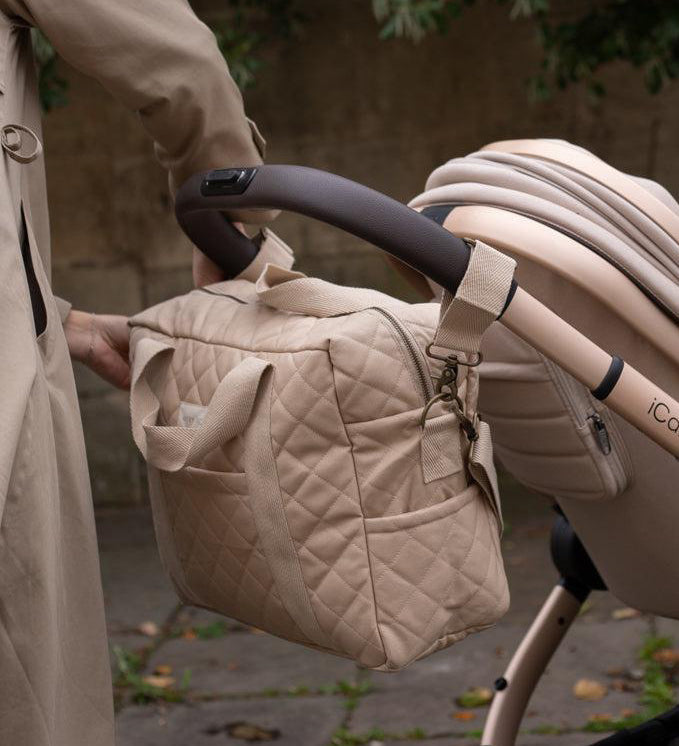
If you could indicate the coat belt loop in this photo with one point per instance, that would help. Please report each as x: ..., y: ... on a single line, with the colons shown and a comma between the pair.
x: 12, y: 142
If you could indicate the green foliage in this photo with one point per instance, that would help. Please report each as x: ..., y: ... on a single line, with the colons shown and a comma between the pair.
x: 128, y: 676
x: 52, y: 87
x: 414, y: 19
x: 657, y: 693
x: 247, y: 27
x: 343, y: 737
x: 243, y: 31
x: 547, y: 729
x: 606, y: 726
x: 351, y: 691
x: 416, y: 734
x: 643, y: 33
x: 220, y: 628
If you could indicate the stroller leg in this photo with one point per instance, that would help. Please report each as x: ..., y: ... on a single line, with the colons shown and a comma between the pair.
x: 514, y: 689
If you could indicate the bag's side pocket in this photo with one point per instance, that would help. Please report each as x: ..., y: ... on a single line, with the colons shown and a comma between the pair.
x: 437, y: 575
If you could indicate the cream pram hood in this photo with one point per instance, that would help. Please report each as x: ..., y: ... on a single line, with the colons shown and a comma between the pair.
x: 559, y: 210
x: 576, y: 204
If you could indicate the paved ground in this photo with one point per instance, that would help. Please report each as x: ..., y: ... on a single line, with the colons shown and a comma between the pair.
x: 234, y: 685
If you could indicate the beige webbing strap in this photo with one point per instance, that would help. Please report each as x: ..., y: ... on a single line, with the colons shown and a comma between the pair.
x: 272, y: 250
x: 172, y: 448
x: 269, y: 514
x: 241, y: 404
x: 478, y: 302
x: 440, y: 449
x: 293, y: 291
x: 482, y: 469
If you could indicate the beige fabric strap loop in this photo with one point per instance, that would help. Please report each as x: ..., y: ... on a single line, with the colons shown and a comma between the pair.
x: 293, y: 291
x: 241, y: 404
x: 464, y: 318
x: 478, y: 302
x: 272, y: 250
x: 482, y: 469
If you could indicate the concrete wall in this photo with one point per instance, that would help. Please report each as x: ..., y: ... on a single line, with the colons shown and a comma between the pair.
x: 383, y: 113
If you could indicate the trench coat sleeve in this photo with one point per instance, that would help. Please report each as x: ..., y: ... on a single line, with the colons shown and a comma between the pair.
x: 161, y: 61
x: 64, y: 308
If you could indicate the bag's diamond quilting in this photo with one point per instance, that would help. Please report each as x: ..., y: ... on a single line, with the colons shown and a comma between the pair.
x: 443, y: 575
x: 216, y: 541
x: 394, y: 568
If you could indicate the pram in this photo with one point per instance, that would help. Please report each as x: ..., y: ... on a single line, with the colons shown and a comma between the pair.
x: 602, y: 279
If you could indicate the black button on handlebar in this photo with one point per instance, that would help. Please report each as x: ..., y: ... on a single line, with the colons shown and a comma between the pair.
x: 226, y: 181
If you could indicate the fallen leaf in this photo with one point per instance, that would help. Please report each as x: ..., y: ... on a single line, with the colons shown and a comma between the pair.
x: 150, y: 629
x: 251, y: 732
x: 622, y: 685
x: 667, y: 657
x: 616, y: 672
x: 189, y: 634
x: 585, y: 608
x: 162, y: 670
x: 257, y: 631
x: 464, y: 715
x: 232, y: 666
x: 600, y: 718
x: 590, y: 690
x: 477, y: 696
x: 161, y: 682
x: 626, y: 612
x: 627, y: 713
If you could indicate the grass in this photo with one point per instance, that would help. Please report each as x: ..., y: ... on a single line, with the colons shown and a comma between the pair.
x: 212, y: 631
x: 343, y: 737
x: 657, y: 694
x: 128, y: 676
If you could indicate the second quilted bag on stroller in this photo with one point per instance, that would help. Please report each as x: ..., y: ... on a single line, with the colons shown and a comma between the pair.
x: 313, y: 471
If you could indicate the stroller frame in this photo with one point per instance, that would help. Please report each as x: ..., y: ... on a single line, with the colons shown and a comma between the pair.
x: 513, y: 690
x: 431, y: 247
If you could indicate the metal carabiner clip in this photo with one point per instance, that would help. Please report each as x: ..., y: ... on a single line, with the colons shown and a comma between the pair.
x: 454, y: 359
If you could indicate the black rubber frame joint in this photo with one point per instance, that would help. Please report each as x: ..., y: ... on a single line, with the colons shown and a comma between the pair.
x: 609, y: 381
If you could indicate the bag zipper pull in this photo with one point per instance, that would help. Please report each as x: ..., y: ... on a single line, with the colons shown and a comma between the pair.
x: 601, y: 433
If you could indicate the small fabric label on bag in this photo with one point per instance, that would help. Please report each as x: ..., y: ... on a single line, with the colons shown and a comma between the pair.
x: 191, y: 415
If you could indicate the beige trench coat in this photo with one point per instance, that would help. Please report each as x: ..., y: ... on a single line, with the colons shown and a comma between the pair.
x: 160, y: 61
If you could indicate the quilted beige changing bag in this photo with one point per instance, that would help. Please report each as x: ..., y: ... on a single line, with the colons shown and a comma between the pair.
x: 295, y: 483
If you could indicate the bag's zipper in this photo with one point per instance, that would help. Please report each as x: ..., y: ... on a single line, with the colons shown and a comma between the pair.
x: 601, y: 435
x: 584, y: 412
x: 606, y: 435
x: 413, y: 352
x: 404, y: 334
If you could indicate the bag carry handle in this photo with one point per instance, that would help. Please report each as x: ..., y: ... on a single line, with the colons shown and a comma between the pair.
x: 287, y: 290
x: 171, y: 448
x: 241, y: 404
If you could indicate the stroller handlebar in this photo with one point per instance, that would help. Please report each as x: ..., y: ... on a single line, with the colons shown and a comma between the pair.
x: 400, y: 231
